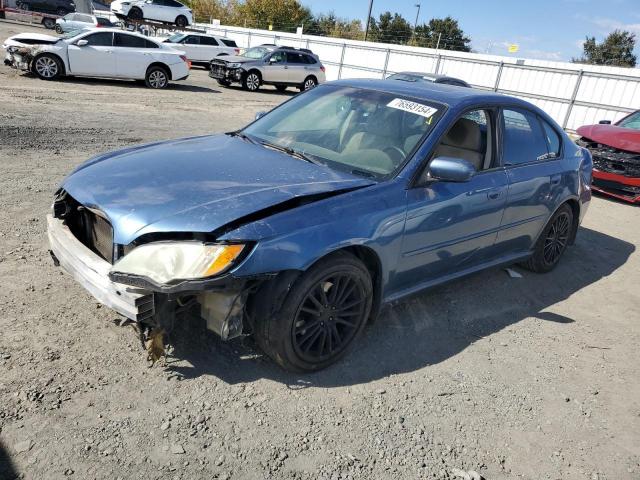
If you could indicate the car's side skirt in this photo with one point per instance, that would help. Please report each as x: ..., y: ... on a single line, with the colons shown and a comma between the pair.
x: 513, y: 258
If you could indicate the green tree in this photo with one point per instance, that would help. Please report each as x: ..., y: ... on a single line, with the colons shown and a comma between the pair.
x: 389, y: 28
x: 615, y: 51
x: 329, y: 25
x: 446, y: 30
x: 284, y: 15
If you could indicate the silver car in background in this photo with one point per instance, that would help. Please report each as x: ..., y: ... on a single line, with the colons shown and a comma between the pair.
x: 270, y: 65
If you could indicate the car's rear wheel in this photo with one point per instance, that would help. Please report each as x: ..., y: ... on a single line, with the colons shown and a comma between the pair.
x: 321, y: 316
x: 58, y: 29
x: 281, y: 88
x: 181, y: 21
x: 47, y: 67
x: 251, y: 81
x: 553, y: 241
x: 135, y: 14
x: 308, y: 83
x: 157, y: 77
x: 49, y: 23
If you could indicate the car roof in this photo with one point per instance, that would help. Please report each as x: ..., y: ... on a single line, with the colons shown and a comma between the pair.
x: 452, y: 96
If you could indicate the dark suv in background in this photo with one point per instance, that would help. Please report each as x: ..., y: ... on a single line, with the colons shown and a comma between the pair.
x: 59, y: 7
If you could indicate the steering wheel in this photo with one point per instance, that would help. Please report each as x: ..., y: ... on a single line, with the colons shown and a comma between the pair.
x: 396, y: 154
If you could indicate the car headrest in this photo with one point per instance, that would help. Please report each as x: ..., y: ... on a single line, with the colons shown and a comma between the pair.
x: 465, y: 134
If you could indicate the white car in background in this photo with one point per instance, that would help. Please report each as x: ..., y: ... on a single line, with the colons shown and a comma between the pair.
x: 166, y: 11
x: 76, y: 21
x: 201, y: 48
x: 97, y: 52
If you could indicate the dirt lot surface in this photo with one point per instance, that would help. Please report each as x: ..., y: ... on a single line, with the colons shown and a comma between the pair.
x: 533, y: 377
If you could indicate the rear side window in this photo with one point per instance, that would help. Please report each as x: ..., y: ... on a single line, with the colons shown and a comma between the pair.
x: 523, y: 138
x: 229, y: 43
x: 83, y: 18
x: 129, y: 41
x: 102, y: 39
x: 553, y: 139
x: 296, y: 58
x: 309, y: 59
x: 208, y: 41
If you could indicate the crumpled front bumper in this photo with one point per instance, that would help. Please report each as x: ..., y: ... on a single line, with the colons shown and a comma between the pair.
x: 18, y: 58
x: 617, y: 186
x: 92, y: 272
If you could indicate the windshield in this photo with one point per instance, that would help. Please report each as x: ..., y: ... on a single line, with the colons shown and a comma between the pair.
x: 632, y: 121
x: 363, y: 131
x: 175, y: 38
x: 74, y: 33
x: 255, y: 52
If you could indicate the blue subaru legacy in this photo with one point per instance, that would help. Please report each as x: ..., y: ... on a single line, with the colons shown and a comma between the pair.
x: 297, y: 228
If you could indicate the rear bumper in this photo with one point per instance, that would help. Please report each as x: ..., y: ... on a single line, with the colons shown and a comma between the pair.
x: 617, y: 186
x: 92, y: 272
x: 179, y: 71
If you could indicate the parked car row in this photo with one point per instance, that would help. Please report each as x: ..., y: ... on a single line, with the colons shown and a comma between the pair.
x: 163, y: 11
x: 77, y: 21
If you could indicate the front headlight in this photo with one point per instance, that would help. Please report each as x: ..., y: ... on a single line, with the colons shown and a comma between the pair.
x: 234, y: 65
x: 164, y: 262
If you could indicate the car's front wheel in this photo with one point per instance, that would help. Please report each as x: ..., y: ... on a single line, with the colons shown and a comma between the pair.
x: 320, y: 317
x: 157, y: 77
x: 47, y: 67
x: 59, y: 29
x: 553, y: 241
x: 251, y: 81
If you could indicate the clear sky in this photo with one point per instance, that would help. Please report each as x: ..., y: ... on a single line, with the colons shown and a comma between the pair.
x: 543, y: 29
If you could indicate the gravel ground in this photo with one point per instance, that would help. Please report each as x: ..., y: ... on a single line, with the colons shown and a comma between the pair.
x: 533, y: 377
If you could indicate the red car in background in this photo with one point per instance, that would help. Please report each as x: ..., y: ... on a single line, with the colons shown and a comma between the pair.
x: 616, y: 156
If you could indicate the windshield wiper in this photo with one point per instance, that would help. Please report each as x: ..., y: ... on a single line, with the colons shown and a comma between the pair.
x: 240, y: 134
x: 290, y: 151
x: 363, y: 173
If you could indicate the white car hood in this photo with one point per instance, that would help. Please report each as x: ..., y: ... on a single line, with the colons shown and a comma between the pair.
x: 31, y: 39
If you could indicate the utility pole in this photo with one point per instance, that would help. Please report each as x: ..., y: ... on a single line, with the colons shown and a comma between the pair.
x: 415, y: 24
x: 366, y: 31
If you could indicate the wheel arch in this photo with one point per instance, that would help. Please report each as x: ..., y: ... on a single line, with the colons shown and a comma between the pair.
x: 51, y: 54
x: 161, y: 65
x: 311, y: 76
x: 574, y: 204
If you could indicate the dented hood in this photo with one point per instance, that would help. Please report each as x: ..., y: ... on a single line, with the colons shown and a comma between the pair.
x: 196, y: 184
x: 29, y: 39
x: 613, y: 136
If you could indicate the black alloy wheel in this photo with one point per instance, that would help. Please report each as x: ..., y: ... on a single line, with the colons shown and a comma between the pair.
x: 553, y: 241
x: 328, y: 317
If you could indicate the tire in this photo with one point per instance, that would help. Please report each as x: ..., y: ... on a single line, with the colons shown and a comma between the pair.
x: 59, y: 29
x: 553, y: 241
x: 181, y: 21
x: 49, y: 23
x: 308, y: 83
x: 281, y: 88
x: 47, y: 67
x: 157, y: 77
x: 135, y: 14
x: 306, y: 332
x: 223, y: 83
x: 251, y: 81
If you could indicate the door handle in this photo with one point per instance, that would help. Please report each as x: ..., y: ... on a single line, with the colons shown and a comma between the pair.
x: 494, y: 194
x: 555, y: 179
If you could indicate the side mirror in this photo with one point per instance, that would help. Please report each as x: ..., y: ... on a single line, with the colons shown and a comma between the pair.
x: 273, y: 59
x: 448, y: 169
x: 605, y: 122
x: 260, y: 115
x: 82, y: 43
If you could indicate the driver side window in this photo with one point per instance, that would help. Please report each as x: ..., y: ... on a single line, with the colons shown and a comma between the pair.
x: 470, y: 138
x: 277, y: 57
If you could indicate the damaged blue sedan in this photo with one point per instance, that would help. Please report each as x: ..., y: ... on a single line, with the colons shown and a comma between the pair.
x: 297, y: 228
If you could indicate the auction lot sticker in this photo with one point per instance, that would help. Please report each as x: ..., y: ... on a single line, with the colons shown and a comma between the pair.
x: 413, y: 107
